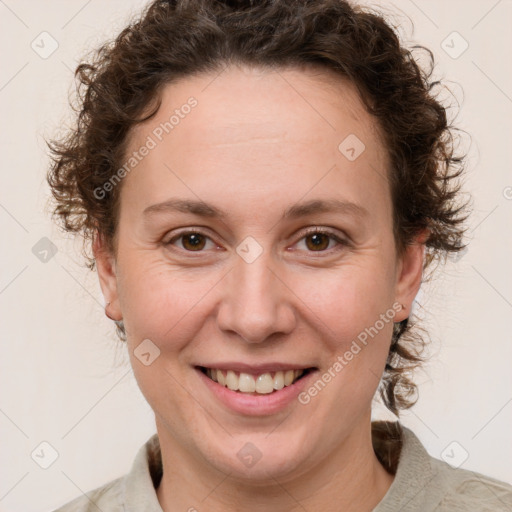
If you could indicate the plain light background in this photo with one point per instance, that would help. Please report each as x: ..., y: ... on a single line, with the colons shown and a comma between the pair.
x: 64, y: 382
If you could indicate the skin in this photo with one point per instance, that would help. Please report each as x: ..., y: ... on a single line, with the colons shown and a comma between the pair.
x: 258, y: 142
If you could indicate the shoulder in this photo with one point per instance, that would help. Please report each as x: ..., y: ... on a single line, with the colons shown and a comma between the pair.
x: 424, y: 483
x: 106, y: 498
x: 471, y: 491
x: 136, y: 490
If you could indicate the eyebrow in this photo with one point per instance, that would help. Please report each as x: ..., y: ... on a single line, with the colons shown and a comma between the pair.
x: 313, y: 206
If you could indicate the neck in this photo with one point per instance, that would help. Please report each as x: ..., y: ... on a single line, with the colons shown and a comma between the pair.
x: 349, y: 479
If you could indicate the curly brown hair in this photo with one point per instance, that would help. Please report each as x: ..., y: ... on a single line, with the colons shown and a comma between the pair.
x: 120, y: 84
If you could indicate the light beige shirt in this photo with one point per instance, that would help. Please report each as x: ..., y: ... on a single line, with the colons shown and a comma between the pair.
x: 422, y: 483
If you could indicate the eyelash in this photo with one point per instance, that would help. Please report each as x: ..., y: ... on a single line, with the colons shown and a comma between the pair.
x: 309, y: 231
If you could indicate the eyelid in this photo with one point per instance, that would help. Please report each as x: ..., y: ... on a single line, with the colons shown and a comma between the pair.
x: 319, y: 229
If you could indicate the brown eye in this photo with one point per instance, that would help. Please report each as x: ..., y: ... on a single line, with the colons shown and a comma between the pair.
x: 193, y: 241
x: 319, y: 241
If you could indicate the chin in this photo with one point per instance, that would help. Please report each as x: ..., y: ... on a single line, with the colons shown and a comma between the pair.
x: 259, y: 460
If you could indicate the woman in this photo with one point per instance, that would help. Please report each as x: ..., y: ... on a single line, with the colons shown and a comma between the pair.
x: 264, y: 185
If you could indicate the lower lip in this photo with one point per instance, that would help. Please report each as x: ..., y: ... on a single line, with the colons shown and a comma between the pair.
x: 257, y: 405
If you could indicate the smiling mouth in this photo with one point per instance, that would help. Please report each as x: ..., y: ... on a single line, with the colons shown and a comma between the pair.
x: 262, y: 384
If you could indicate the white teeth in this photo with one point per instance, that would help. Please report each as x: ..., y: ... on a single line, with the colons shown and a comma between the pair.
x: 220, y: 378
x: 232, y: 380
x: 279, y: 380
x: 264, y: 384
x: 246, y: 383
x: 288, y: 377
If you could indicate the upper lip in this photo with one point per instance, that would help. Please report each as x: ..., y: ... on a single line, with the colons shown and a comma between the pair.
x: 255, y: 368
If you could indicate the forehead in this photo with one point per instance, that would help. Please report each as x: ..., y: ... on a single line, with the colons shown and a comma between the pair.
x: 267, y: 98
x: 251, y: 128
x: 250, y: 104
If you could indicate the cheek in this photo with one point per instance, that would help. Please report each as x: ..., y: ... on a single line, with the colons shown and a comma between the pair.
x: 162, y: 302
x: 346, y: 300
x: 352, y: 315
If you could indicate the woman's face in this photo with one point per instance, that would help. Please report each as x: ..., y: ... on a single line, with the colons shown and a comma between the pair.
x: 255, y: 235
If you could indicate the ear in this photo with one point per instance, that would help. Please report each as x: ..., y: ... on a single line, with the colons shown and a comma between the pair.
x: 410, y: 273
x: 106, y: 266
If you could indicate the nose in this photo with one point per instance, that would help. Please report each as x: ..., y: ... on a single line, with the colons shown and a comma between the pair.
x: 256, y: 303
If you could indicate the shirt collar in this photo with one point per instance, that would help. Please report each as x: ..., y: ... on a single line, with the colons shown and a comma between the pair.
x: 138, y: 491
x: 413, y: 474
